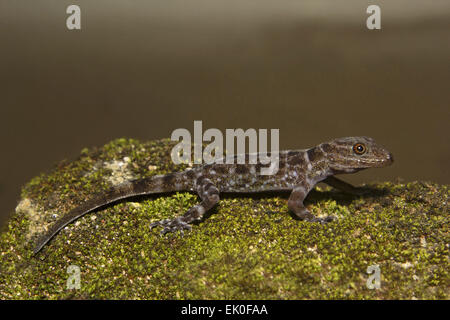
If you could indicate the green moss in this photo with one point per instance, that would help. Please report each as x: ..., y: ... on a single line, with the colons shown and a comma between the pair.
x: 248, y: 248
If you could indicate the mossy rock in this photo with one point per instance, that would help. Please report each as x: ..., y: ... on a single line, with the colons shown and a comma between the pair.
x: 247, y: 248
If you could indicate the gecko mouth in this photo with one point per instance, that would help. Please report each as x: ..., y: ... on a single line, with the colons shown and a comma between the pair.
x: 362, y: 164
x: 382, y: 162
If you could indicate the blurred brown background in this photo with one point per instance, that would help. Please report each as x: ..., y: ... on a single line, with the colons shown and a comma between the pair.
x: 144, y: 68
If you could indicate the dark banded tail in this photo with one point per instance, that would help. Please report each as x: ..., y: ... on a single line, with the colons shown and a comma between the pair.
x: 153, y: 185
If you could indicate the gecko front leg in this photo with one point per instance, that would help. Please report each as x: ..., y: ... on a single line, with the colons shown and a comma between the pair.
x: 344, y: 186
x: 295, y: 204
x: 209, y: 194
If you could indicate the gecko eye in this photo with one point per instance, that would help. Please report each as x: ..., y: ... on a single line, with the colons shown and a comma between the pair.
x: 359, y: 148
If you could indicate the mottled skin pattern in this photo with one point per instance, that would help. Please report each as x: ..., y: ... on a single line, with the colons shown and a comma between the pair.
x: 299, y: 171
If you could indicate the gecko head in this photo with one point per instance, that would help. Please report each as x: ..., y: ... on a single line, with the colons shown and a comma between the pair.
x: 351, y: 154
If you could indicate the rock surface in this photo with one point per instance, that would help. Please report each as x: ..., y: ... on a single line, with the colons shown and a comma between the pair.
x: 247, y: 248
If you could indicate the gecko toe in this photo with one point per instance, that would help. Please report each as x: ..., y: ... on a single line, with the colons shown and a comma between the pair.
x: 174, y: 225
x: 159, y: 223
x: 322, y: 220
x: 328, y: 219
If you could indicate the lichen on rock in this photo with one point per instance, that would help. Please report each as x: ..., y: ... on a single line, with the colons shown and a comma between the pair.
x: 249, y: 247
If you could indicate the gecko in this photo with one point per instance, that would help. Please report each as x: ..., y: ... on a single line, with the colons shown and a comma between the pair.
x: 299, y: 171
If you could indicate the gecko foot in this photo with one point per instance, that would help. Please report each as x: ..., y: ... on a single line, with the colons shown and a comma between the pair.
x: 321, y: 220
x: 173, y: 225
x: 303, y: 214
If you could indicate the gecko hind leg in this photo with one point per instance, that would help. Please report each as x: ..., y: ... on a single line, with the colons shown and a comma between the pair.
x: 208, y: 193
x: 295, y: 204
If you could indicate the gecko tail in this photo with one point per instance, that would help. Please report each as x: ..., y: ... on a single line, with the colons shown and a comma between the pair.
x: 152, y: 185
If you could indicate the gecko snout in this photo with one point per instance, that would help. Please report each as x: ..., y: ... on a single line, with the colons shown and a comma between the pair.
x: 389, y: 159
